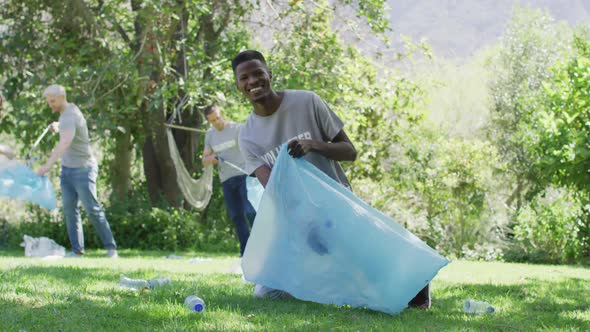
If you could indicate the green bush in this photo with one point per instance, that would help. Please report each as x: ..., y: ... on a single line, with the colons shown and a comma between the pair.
x: 443, y: 190
x: 546, y: 230
x: 135, y: 224
x: 35, y: 222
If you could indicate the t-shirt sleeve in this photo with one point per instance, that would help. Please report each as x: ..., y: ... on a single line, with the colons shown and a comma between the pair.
x: 239, y: 127
x: 329, y: 123
x: 67, y: 122
x: 252, y: 162
x: 208, y: 140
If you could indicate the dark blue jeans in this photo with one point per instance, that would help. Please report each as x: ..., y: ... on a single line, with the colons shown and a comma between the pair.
x: 79, y: 185
x: 238, y: 207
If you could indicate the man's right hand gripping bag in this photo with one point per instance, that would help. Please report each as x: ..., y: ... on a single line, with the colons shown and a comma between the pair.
x: 316, y: 240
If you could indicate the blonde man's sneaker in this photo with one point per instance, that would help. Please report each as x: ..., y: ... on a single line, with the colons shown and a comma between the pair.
x: 112, y: 253
x: 73, y: 255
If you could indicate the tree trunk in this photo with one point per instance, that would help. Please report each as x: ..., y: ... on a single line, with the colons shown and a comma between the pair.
x: 121, y: 166
x: 187, y: 141
x: 151, y: 171
x: 167, y: 172
x: 158, y: 167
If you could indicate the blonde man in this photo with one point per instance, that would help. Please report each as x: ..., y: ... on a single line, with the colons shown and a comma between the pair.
x: 78, y: 172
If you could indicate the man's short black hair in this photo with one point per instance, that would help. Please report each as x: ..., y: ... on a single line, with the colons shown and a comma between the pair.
x: 244, y: 56
x: 210, y: 109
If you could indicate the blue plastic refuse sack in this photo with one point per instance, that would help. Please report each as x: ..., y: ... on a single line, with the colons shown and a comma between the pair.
x: 20, y: 182
x: 316, y: 240
x: 255, y: 191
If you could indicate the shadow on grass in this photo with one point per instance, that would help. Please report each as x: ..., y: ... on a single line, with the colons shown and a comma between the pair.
x: 73, y: 300
x: 532, y: 305
x: 136, y: 253
x: 79, y: 307
x: 130, y: 253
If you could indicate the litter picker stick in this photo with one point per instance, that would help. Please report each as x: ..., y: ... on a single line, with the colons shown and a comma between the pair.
x: 41, y: 137
x: 185, y: 128
x: 232, y: 165
x: 38, y: 141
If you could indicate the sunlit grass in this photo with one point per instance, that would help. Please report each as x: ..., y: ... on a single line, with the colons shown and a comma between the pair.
x: 83, y: 295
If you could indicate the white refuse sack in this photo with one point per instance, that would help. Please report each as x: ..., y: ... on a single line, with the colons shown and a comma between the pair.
x: 42, y: 247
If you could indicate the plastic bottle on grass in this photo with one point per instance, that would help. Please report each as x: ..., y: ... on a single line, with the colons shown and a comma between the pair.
x: 133, y: 283
x: 476, y: 307
x: 157, y: 282
x: 172, y: 256
x: 194, y: 303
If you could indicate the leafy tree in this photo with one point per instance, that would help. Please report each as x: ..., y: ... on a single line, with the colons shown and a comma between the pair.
x: 563, y: 147
x: 448, y: 180
x: 370, y: 99
x: 130, y: 64
x: 531, y: 43
x: 564, y: 137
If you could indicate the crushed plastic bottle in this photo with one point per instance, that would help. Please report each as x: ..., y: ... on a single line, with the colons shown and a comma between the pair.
x: 476, y: 307
x: 194, y: 303
x: 199, y: 260
x: 136, y: 284
x: 42, y: 247
x: 173, y: 256
x: 157, y: 282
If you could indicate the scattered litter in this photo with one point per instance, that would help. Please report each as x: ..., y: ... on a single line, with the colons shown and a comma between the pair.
x: 139, y: 284
x: 475, y: 307
x: 199, y: 260
x: 157, y: 282
x: 194, y: 303
x: 42, y: 247
x: 172, y: 256
x: 52, y: 257
x: 136, y: 284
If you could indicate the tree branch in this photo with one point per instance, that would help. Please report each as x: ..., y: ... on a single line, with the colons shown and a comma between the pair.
x: 121, y: 32
x: 99, y: 6
x: 139, y: 31
x: 223, y: 25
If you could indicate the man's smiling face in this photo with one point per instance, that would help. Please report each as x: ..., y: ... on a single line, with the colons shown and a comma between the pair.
x: 253, y: 79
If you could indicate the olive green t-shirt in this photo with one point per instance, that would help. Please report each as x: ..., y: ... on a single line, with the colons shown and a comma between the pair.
x: 79, y: 153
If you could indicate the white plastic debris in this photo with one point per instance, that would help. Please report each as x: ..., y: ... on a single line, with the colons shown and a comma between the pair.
x: 199, y: 260
x: 135, y: 284
x: 42, y: 247
x: 172, y: 256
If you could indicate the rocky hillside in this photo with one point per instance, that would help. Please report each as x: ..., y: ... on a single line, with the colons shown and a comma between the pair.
x: 457, y: 28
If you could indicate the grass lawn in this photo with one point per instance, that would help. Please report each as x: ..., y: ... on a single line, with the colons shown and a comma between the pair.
x: 82, y: 294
